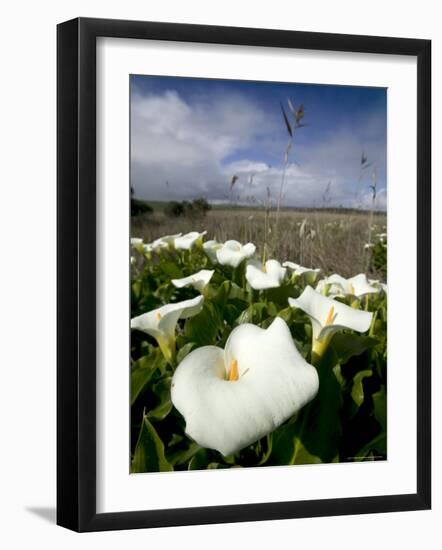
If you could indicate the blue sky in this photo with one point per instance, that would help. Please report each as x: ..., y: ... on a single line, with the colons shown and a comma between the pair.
x: 190, y: 136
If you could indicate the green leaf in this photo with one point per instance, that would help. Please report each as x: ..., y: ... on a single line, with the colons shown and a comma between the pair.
x: 162, y: 391
x: 380, y: 407
x: 253, y: 314
x: 302, y: 456
x: 286, y: 314
x: 281, y: 294
x: 161, y: 411
x: 203, y: 328
x: 149, y: 451
x: 318, y: 426
x: 283, y: 445
x: 136, y: 289
x: 199, y: 461
x: 357, y: 391
x: 182, y: 455
x: 266, y: 448
x: 377, y: 446
x: 237, y: 293
x: 142, y: 371
x: 348, y: 345
x: 185, y: 350
x: 287, y: 448
x: 171, y: 270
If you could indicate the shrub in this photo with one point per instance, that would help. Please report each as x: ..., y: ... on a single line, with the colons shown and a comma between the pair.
x: 200, y: 206
x: 174, y: 209
x: 138, y: 207
x: 197, y: 208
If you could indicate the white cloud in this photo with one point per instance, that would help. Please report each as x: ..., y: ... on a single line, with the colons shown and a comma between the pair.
x: 185, y: 145
x: 181, y: 150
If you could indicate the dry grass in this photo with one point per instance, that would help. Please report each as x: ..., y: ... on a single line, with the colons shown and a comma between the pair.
x: 333, y: 241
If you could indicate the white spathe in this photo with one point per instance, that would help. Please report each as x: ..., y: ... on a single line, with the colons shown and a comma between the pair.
x: 187, y: 241
x: 308, y: 273
x: 161, y: 322
x: 329, y: 316
x: 335, y: 285
x: 210, y: 248
x: 232, y: 253
x: 270, y: 383
x: 261, y: 276
x: 165, y: 241
x: 199, y: 280
x: 137, y: 243
x: 377, y: 284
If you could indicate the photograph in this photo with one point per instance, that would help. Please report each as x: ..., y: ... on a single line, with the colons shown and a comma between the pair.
x: 258, y: 274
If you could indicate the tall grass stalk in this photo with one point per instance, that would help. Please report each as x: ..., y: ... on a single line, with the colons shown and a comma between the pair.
x: 367, y: 248
x: 298, y: 115
x: 327, y: 250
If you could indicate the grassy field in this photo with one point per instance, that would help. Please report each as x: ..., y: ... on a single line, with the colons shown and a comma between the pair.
x: 333, y: 241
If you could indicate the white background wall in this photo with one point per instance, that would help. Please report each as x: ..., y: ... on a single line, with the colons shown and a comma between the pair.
x: 27, y: 290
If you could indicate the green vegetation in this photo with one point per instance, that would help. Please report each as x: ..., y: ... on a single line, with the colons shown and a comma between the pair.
x: 195, y: 209
x: 345, y: 422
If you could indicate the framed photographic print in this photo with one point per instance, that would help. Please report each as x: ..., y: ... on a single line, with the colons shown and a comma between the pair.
x: 243, y: 274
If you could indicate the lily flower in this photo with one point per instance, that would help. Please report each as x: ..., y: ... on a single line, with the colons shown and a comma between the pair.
x: 137, y: 243
x: 233, y: 253
x: 378, y: 285
x: 199, y: 280
x: 335, y: 285
x: 160, y: 323
x: 309, y: 274
x: 268, y: 275
x: 167, y: 241
x: 187, y: 241
x: 232, y: 397
x: 329, y: 316
x: 210, y: 248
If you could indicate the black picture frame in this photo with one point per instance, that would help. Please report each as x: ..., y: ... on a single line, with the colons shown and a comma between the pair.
x: 76, y: 272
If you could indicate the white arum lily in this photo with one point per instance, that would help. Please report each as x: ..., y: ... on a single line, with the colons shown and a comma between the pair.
x: 199, y: 280
x: 137, y: 243
x: 187, y: 241
x: 261, y: 276
x: 148, y: 249
x: 167, y: 241
x: 329, y: 316
x: 378, y: 285
x: 354, y: 286
x: 233, y: 253
x: 210, y: 248
x: 160, y: 323
x: 232, y: 397
x: 330, y: 289
x: 309, y: 274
